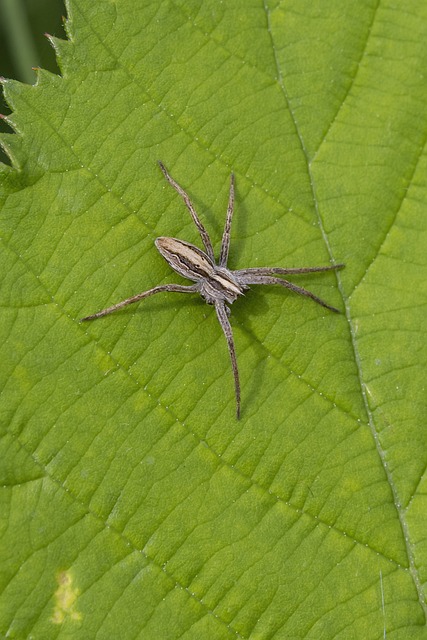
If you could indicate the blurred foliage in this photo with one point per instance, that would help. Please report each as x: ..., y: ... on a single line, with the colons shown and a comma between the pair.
x: 23, y: 44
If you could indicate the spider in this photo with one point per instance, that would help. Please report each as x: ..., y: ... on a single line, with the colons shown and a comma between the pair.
x: 217, y: 284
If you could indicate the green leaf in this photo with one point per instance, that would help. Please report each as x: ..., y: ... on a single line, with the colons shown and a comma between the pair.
x: 134, y: 504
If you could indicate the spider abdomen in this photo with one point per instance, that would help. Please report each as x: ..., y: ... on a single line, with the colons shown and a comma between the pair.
x: 186, y: 259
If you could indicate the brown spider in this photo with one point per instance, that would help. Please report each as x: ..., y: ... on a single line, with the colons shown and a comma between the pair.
x: 217, y: 284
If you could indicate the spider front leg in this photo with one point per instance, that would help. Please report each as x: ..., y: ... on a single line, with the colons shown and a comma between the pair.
x: 225, y: 243
x: 201, y: 229
x: 177, y: 288
x: 221, y: 312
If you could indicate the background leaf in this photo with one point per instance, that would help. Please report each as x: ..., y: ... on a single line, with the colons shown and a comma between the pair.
x: 23, y: 43
x: 135, y: 504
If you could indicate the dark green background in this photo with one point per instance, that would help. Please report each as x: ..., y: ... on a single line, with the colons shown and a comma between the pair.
x: 23, y: 44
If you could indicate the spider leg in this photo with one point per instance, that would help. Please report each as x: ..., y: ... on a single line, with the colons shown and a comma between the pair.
x: 270, y: 271
x: 221, y: 312
x: 178, y: 288
x: 225, y: 244
x: 202, y: 231
x: 260, y: 279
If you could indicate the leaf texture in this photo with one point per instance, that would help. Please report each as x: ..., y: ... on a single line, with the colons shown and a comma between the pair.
x: 134, y: 504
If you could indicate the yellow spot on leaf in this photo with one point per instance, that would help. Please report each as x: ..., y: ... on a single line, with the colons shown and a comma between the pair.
x: 65, y: 599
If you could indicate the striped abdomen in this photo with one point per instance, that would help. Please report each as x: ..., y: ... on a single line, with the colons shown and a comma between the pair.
x: 215, y: 283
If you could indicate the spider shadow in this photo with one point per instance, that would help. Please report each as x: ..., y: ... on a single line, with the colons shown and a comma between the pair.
x: 241, y: 312
x: 192, y: 300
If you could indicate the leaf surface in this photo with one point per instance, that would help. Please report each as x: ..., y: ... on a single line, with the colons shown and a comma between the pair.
x: 136, y: 505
